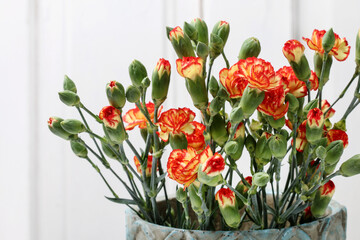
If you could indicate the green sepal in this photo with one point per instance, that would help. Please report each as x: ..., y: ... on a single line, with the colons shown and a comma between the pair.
x: 250, y: 48
x: 178, y: 141
x: 351, y: 166
x: 69, y: 84
x: 137, y: 72
x: 301, y: 69
x: 250, y: 100
x: 78, y: 147
x: 69, y: 98
x: 218, y: 130
x: 73, y: 126
x: 56, y: 129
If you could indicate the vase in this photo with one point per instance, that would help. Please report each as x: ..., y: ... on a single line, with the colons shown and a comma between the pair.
x: 330, y: 227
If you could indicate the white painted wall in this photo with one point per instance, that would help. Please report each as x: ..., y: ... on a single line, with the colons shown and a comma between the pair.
x: 48, y: 193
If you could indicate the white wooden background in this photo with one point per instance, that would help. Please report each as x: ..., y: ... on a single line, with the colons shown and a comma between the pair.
x: 48, y: 193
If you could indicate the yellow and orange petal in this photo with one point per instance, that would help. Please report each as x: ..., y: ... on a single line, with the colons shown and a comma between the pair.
x: 240, y: 130
x: 291, y: 83
x: 232, y: 81
x: 176, y: 33
x: 163, y: 66
x: 148, y: 168
x: 293, y: 50
x: 336, y: 134
x: 196, y: 140
x: 225, y: 197
x: 176, y: 121
x: 315, y: 43
x: 110, y: 116
x: 325, y: 105
x: 183, y: 166
x: 274, y: 103
x: 259, y: 74
x: 315, y: 118
x: 314, y: 81
x: 190, y: 67
x: 134, y: 117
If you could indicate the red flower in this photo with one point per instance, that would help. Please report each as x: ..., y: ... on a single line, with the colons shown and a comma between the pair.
x: 163, y: 66
x: 315, y: 118
x: 196, y: 140
x: 340, y: 51
x: 183, y: 166
x: 325, y: 105
x: 110, y: 116
x: 134, y: 117
x: 274, y: 103
x: 291, y: 83
x: 328, y: 189
x: 336, y: 134
x: 225, y: 197
x: 314, y: 81
x: 190, y: 67
x: 232, y: 81
x: 293, y: 50
x: 212, y: 164
x: 259, y: 73
x: 176, y: 121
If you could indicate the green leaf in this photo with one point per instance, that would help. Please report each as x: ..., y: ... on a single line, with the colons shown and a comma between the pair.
x: 122, y: 201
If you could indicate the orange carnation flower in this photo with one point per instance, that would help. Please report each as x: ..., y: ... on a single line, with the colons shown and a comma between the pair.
x: 274, y: 103
x: 110, y: 116
x: 196, y: 140
x: 232, y: 81
x: 340, y: 51
x: 176, y: 121
x: 183, y: 166
x: 134, y: 117
x: 291, y: 83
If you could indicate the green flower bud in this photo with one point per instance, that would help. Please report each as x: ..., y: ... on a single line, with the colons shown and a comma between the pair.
x: 69, y: 84
x: 190, y: 30
x: 112, y: 124
x: 115, y: 93
x: 357, y: 49
x: 108, y: 151
x: 340, y: 125
x: 284, y: 133
x: 301, y: 69
x: 137, y: 72
x: 228, y: 207
x: 236, y: 115
x: 334, y: 152
x: 69, y: 98
x: 262, y: 152
x: 195, y: 200
x: 250, y: 144
x: 218, y: 130
x: 202, y: 30
x: 181, y: 43
x: 321, y: 152
x: 213, y: 86
x: 216, y: 46
x: 314, y: 125
x: 178, y: 141
x: 351, y: 166
x: 215, y: 106
x: 160, y: 81
x: 256, y: 127
x: 311, y: 105
x: 250, y: 48
x: 318, y: 62
x: 250, y: 100
x: 132, y: 94
x: 181, y: 195
x: 261, y: 179
x: 55, y: 128
x: 145, y: 83
x: 73, y: 126
x: 293, y: 103
x: 222, y: 29
x: 78, y: 147
x: 231, y: 148
x: 328, y: 40
x: 278, y: 146
x: 202, y: 50
x: 322, y: 199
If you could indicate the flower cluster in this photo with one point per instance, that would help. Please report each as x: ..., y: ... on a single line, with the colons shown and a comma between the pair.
x: 247, y: 107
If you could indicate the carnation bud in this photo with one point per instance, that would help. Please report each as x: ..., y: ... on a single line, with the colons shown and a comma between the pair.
x: 132, y: 94
x: 181, y: 43
x: 215, y: 106
x: 160, y: 81
x: 115, y: 93
x: 178, y: 141
x: 278, y: 146
x: 202, y: 30
x: 334, y: 152
x: 243, y: 190
x: 55, y: 127
x: 145, y: 83
x: 250, y: 144
x: 351, y: 166
x: 211, y: 167
x: 190, y: 30
x: 228, y: 207
x: 213, y: 86
x: 357, y: 49
x: 321, y: 152
x: 250, y: 48
x: 73, y: 126
x: 181, y: 195
x: 328, y: 40
x: 108, y: 151
x: 236, y: 115
x: 78, y: 147
x: 216, y: 46
x: 202, y: 50
x: 318, y: 62
x: 218, y: 130
x: 262, y: 152
x: 314, y: 125
x: 322, y: 199
x: 261, y: 179
x: 195, y: 200
x: 222, y: 29
x: 112, y: 124
x: 340, y: 125
x: 137, y: 72
x: 69, y: 84
x: 250, y: 100
x: 231, y: 148
x: 69, y: 98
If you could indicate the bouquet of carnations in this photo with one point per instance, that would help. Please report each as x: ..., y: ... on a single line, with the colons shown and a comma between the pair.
x: 282, y: 119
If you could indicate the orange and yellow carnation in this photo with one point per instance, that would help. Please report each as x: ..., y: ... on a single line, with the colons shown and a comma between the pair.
x: 111, y: 116
x: 196, y: 140
x: 190, y: 67
x: 274, y: 103
x: 134, y: 117
x: 291, y: 83
x: 232, y: 81
x: 293, y: 50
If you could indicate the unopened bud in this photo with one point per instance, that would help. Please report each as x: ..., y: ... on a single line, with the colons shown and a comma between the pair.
x: 69, y: 84
x: 202, y: 30
x: 261, y: 179
x: 215, y: 106
x: 132, y: 94
x: 351, y: 166
x: 250, y: 48
x: 69, y: 98
x: 178, y: 141
x: 181, y: 195
x: 202, y: 50
x: 236, y: 115
x: 137, y: 72
x: 190, y: 31
x: 250, y: 100
x: 213, y: 86
x: 78, y: 147
x: 115, y: 93
x: 73, y: 126
x: 55, y: 127
x: 218, y: 130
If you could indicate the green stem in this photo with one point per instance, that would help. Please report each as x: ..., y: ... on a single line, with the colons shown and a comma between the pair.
x: 321, y: 81
x: 90, y: 113
x: 209, y: 74
x: 225, y: 59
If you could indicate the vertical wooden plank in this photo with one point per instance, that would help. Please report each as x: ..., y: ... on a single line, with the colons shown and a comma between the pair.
x: 15, y: 120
